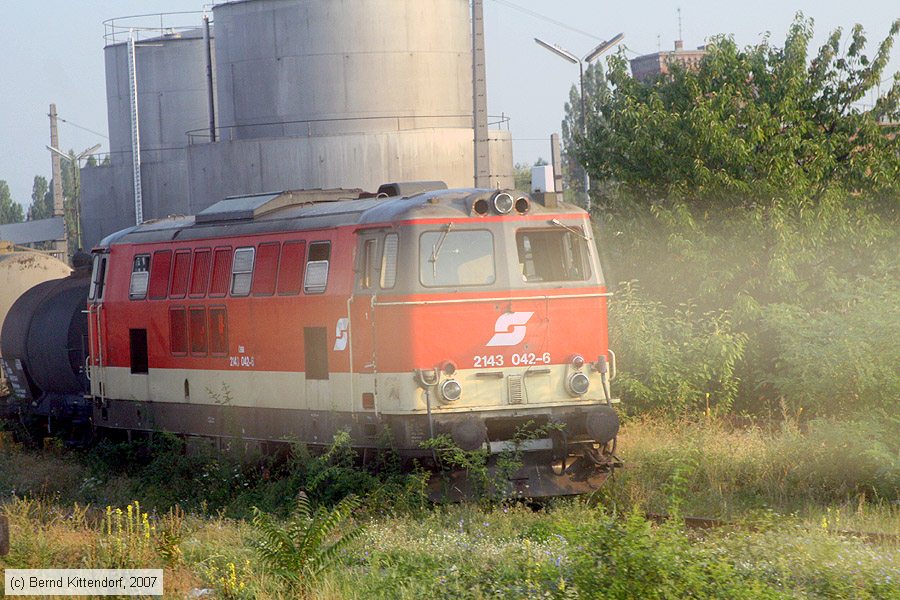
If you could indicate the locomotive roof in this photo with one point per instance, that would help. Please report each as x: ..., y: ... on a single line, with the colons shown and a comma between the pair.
x: 310, y: 210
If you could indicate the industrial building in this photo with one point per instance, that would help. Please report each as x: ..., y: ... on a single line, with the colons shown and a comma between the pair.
x: 287, y: 94
x: 649, y: 66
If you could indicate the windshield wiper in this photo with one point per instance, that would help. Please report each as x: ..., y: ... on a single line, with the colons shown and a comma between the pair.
x: 436, y: 249
x: 577, y: 232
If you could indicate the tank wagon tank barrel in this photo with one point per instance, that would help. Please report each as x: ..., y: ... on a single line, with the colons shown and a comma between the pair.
x: 44, y: 351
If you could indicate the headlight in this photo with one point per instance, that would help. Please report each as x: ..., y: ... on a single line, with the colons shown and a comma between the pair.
x: 577, y: 384
x: 522, y: 205
x: 503, y: 203
x: 451, y: 390
x: 577, y: 361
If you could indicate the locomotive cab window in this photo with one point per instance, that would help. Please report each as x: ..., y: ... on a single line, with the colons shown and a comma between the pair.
x: 242, y: 271
x: 450, y: 258
x: 550, y: 255
x: 140, y: 277
x: 316, y: 279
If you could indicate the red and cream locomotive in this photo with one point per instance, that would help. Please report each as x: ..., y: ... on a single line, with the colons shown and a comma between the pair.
x: 423, y: 310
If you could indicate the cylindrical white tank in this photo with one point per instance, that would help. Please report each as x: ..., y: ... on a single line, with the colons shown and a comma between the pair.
x: 330, y: 67
x: 172, y: 93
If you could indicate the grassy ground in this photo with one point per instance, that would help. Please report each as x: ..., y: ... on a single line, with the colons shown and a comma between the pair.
x: 797, y: 488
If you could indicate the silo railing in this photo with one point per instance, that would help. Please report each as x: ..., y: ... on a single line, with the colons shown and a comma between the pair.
x: 149, y: 26
x: 344, y: 126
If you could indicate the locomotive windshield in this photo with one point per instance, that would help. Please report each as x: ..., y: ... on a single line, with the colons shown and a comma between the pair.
x: 456, y: 258
x: 552, y: 255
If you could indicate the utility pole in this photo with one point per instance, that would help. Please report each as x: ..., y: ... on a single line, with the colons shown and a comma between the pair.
x: 61, y: 246
x: 479, y: 98
x: 556, y: 162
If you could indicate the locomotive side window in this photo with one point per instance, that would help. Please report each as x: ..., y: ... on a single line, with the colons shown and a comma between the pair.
x: 98, y: 278
x: 140, y: 277
x: 218, y: 331
x: 242, y: 271
x: 389, y: 261
x: 178, y: 337
x: 456, y: 258
x: 180, y: 273
x: 552, y: 255
x: 159, y: 274
x: 266, y: 269
x: 198, y: 330
x: 317, y: 268
x: 290, y: 275
x: 200, y: 273
x: 221, y: 272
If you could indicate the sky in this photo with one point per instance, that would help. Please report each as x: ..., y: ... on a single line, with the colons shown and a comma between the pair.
x: 52, y: 51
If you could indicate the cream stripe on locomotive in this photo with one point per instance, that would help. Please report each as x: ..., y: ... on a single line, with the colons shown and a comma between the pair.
x: 397, y: 393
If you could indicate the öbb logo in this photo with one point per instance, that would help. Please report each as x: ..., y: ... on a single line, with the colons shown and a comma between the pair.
x: 510, y: 329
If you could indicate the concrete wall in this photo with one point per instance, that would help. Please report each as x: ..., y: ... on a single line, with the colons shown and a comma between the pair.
x: 363, y: 160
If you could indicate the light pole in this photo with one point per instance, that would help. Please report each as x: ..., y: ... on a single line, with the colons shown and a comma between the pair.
x: 589, y: 58
x: 75, y: 161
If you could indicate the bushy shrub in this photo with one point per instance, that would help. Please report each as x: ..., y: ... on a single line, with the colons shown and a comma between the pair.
x: 674, y: 359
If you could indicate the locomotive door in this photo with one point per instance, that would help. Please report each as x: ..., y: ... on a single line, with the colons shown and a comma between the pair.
x: 97, y: 335
x: 362, y: 317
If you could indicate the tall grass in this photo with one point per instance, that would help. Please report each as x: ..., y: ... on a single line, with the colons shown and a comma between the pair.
x: 713, y: 469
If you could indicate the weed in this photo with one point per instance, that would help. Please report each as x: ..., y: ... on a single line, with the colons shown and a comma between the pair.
x: 299, y: 551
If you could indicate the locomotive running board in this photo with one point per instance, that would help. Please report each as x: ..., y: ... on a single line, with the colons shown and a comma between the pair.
x: 529, y: 481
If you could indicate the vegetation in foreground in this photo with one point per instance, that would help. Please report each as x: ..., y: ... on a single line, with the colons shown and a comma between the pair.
x: 790, y: 493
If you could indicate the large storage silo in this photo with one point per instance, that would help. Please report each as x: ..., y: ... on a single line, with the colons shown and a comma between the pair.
x: 170, y: 68
x: 309, y: 94
x: 341, y: 93
x: 363, y: 63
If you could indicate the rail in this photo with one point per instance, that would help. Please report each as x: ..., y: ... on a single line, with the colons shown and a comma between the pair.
x: 294, y: 128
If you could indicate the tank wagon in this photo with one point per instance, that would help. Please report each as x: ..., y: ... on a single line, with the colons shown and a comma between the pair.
x: 418, y: 310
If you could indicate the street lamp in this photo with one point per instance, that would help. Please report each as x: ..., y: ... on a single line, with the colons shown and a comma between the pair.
x: 75, y: 161
x: 589, y: 58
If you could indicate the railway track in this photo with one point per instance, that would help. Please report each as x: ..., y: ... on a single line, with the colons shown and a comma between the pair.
x: 701, y: 523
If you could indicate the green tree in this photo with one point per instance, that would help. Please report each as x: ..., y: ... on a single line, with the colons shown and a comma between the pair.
x: 41, y: 200
x: 597, y: 93
x: 761, y: 123
x: 10, y: 211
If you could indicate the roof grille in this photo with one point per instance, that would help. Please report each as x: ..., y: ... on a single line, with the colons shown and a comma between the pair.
x: 247, y: 208
x: 516, y: 389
